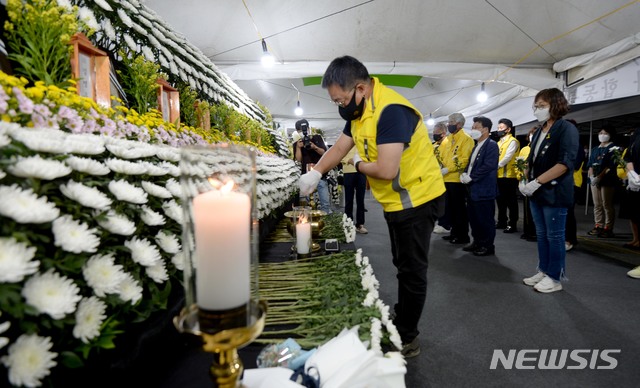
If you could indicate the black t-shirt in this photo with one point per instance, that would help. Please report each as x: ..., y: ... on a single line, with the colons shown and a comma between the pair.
x: 396, y: 125
x: 309, y: 155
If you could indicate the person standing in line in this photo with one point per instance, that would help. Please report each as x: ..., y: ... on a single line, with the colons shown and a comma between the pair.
x: 550, y: 186
x: 507, y: 181
x: 528, y: 227
x: 454, y: 152
x: 480, y: 177
x: 308, y: 150
x: 571, y: 230
x: 632, y: 168
x: 439, y: 133
x: 355, y: 183
x: 604, y: 179
x: 395, y: 153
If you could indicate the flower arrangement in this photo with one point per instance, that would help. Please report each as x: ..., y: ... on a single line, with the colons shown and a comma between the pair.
x: 89, y: 222
x: 618, y: 157
x: 521, y: 166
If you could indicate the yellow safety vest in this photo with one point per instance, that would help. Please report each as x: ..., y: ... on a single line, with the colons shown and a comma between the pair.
x: 455, y: 151
x: 419, y: 179
x: 509, y: 169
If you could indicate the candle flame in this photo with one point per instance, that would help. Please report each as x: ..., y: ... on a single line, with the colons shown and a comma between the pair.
x: 219, y: 185
x: 302, y: 219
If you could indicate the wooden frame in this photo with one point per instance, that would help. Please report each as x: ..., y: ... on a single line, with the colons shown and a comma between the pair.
x: 169, y: 102
x: 90, y: 67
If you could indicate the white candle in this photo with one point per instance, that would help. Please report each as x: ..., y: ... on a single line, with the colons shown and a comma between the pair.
x: 223, y: 252
x: 303, y: 237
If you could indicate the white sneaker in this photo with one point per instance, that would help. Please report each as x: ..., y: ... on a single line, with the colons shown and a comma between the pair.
x: 634, y: 273
x: 547, y: 285
x: 568, y: 246
x: 362, y: 230
x: 535, y: 279
x: 440, y: 230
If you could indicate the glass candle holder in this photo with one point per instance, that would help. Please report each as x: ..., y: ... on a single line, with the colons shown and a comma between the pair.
x: 302, y: 227
x: 220, y: 234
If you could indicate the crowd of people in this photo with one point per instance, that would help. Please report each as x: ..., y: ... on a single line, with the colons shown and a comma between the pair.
x: 454, y: 183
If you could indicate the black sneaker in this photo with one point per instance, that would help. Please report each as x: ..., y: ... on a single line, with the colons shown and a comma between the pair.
x: 411, y: 349
x: 595, y: 231
x: 606, y: 233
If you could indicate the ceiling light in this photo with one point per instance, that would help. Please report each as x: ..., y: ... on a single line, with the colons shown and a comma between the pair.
x: 298, y: 111
x: 267, y: 59
x: 482, y: 96
x: 430, y: 121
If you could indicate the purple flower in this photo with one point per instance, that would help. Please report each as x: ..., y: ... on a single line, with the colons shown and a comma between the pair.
x: 25, y: 105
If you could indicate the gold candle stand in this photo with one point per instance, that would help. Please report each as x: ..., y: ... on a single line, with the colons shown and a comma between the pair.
x: 226, y: 368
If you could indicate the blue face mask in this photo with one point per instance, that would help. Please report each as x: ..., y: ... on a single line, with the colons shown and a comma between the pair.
x: 452, y: 128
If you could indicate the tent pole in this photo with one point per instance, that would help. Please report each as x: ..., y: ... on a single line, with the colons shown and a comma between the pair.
x: 586, y: 201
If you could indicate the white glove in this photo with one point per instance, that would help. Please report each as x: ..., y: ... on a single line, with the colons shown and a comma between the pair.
x: 595, y: 180
x: 633, y: 187
x: 309, y: 181
x: 530, y: 188
x: 356, y: 158
x: 634, y: 178
x: 465, y: 178
x: 522, y: 184
x: 444, y: 170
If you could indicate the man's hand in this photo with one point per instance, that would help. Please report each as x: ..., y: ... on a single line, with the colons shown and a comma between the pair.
x: 308, y: 182
x: 633, y: 178
x: 528, y: 189
x: 595, y: 180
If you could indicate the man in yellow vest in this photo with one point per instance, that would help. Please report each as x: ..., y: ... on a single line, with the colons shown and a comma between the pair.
x: 395, y: 153
x: 507, y: 176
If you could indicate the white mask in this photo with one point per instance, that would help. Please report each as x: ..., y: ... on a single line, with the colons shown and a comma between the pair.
x: 603, y: 138
x: 475, y: 134
x: 542, y: 114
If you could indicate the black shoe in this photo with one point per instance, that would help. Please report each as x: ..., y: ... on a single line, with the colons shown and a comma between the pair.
x: 532, y: 238
x: 458, y: 240
x: 448, y: 237
x: 605, y: 233
x: 484, y: 251
x: 510, y: 229
x: 501, y: 226
x: 470, y: 247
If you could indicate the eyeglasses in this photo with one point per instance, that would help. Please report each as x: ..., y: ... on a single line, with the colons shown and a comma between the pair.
x: 536, y: 107
x: 342, y: 103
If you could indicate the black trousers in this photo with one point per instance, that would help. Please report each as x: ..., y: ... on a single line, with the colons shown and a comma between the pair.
x: 355, y: 183
x: 483, y: 227
x: 508, y: 200
x: 457, y: 210
x: 410, y: 233
x: 570, y: 229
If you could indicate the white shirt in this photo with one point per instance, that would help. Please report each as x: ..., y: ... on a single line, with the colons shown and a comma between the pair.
x: 474, y: 154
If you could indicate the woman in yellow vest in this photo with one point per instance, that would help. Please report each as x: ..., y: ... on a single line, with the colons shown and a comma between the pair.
x: 507, y: 181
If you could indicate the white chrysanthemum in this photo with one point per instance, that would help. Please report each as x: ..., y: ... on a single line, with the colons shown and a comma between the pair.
x: 178, y: 260
x: 127, y: 192
x: 16, y: 260
x: 85, y: 195
x: 126, y: 167
x: 29, y: 360
x: 168, y: 153
x: 174, y: 188
x: 173, y: 211
x: 129, y: 149
x: 4, y: 326
x: 87, y: 16
x: 394, y: 336
x: 157, y: 272
x: 84, y: 144
x: 124, y: 17
x: 170, y: 168
x: 117, y: 223
x: 74, y: 236
x: 36, y: 167
x: 156, y: 190
x: 108, y: 29
x: 25, y: 207
x: 130, y: 290
x: 64, y: 4
x: 376, y: 335
x: 103, y: 4
x: 143, y: 252
x: 103, y: 275
x: 4, y: 140
x: 154, y: 170
x: 2, y: 174
x: 87, y: 165
x: 168, y: 242
x: 130, y: 42
x: 52, y: 294
x: 151, y: 218
x: 89, y: 318
x: 38, y: 139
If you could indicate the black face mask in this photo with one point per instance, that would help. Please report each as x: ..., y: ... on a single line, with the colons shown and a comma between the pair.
x: 501, y: 134
x: 437, y: 136
x: 495, y: 136
x: 352, y: 111
x: 452, y: 128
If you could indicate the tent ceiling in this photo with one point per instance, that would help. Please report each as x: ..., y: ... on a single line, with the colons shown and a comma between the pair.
x: 454, y: 45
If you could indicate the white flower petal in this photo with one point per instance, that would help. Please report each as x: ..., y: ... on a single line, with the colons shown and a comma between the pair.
x: 52, y: 294
x: 16, y: 260
x: 36, y: 167
x: 25, y: 207
x: 73, y: 236
x: 29, y: 360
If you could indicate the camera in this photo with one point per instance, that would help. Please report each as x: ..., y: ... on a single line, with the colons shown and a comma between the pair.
x: 303, y: 126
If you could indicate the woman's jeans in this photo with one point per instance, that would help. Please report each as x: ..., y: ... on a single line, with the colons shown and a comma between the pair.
x: 550, y: 226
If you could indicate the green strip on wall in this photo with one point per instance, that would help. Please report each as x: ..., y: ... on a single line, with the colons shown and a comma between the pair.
x: 403, y: 81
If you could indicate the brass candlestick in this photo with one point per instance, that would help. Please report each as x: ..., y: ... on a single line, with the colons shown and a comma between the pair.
x: 226, y: 368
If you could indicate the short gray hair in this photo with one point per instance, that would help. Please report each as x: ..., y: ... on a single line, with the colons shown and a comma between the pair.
x: 441, y: 125
x: 457, y: 118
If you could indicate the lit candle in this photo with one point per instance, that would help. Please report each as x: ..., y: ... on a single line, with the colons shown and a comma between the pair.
x: 303, y: 237
x: 222, y: 233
